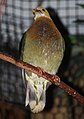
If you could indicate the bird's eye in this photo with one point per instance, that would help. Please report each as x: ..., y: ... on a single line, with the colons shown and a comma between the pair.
x: 43, y: 10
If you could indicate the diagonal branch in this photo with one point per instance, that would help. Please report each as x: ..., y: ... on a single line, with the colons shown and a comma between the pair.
x: 37, y: 70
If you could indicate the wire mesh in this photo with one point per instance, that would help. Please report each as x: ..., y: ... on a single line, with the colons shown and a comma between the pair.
x: 15, y: 18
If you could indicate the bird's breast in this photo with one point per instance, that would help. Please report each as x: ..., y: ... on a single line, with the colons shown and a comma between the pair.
x: 44, y: 46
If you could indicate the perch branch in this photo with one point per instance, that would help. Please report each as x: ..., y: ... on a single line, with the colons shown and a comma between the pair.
x: 37, y: 70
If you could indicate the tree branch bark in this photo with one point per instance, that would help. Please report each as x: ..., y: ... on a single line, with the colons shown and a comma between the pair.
x: 37, y: 70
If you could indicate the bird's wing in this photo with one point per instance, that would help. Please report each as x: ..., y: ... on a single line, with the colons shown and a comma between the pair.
x: 22, y: 43
x: 21, y: 49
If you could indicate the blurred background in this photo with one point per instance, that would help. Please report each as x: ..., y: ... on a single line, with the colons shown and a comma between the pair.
x: 15, y: 18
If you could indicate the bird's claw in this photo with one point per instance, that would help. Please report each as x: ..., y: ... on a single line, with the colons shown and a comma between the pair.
x: 40, y: 70
x: 55, y: 79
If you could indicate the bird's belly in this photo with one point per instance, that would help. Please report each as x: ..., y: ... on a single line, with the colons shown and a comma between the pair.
x: 49, y: 61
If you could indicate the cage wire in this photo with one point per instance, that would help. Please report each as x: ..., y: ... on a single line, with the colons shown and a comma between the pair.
x: 15, y: 18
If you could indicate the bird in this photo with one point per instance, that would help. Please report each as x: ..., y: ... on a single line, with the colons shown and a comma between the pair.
x: 42, y: 46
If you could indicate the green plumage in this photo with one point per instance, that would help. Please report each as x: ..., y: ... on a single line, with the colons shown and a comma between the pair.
x: 42, y: 45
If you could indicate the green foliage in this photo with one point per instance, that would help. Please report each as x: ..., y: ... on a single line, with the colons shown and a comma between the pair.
x: 81, y: 5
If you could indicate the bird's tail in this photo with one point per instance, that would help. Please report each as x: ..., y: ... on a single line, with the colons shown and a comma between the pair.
x: 35, y: 93
x: 37, y: 101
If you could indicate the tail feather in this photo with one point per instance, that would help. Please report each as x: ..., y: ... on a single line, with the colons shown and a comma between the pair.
x: 38, y: 105
x: 35, y: 92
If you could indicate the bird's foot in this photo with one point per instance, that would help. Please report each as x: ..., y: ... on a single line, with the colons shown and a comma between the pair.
x: 55, y: 79
x: 40, y: 70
